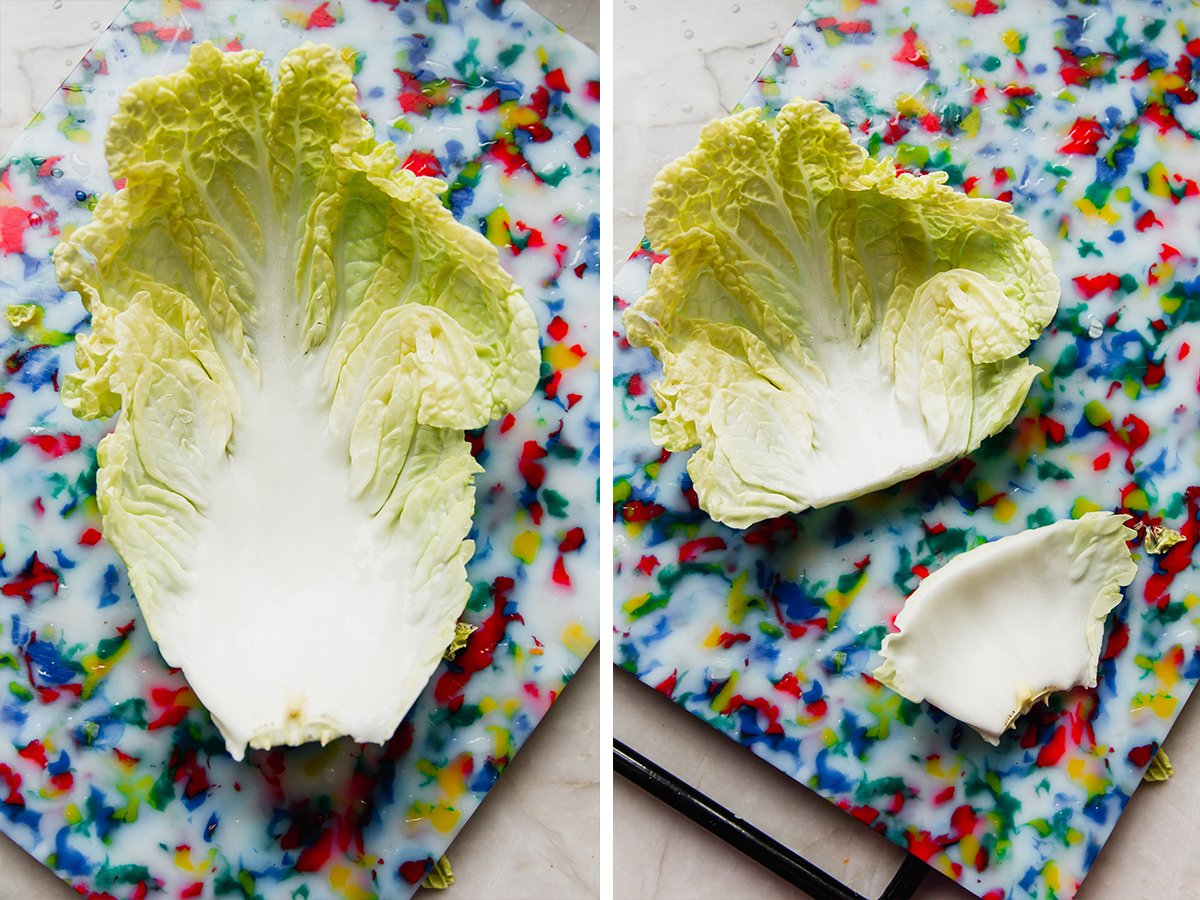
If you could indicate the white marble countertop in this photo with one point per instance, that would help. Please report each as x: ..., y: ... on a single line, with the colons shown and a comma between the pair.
x: 536, y: 834
x: 678, y: 64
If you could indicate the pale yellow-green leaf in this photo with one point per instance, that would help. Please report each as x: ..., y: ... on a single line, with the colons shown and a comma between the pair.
x: 293, y: 333
x: 826, y: 325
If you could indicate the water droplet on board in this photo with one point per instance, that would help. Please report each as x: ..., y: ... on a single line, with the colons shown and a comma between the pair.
x: 687, y: 107
x: 95, y: 26
x: 689, y: 34
x: 774, y: 26
x: 34, y: 220
x: 58, y: 4
x: 737, y: 8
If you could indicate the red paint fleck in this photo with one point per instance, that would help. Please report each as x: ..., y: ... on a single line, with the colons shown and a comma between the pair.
x: 694, y: 548
x: 13, y: 223
x: 413, y: 870
x: 35, y: 573
x: 507, y: 422
x: 481, y: 646
x: 1084, y: 138
x: 667, y: 685
x: 560, y: 575
x: 532, y: 471
x: 1091, y: 285
x: 556, y: 81
x: 647, y: 564
x: 583, y: 146
x: 321, y: 18
x: 637, y: 511
x: 54, y: 445
x: 789, y: 684
x: 1141, y: 756
x: 313, y: 857
x: 1147, y: 220
x: 944, y: 796
x: 912, y: 51
x: 867, y: 814
x: 420, y: 162
x: 90, y: 538
x: 572, y: 540
x: 766, y: 709
x: 1101, y: 462
x: 35, y: 753
x: 558, y: 328
x: 195, y: 889
x: 963, y: 820
x: 592, y: 89
x: 1054, y: 749
x: 728, y: 638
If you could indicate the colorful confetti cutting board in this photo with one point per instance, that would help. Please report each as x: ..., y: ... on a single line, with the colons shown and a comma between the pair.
x: 112, y: 775
x: 1086, y: 121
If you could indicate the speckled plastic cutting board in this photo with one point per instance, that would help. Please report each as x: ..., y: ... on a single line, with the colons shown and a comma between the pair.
x: 110, y: 772
x: 1084, y: 116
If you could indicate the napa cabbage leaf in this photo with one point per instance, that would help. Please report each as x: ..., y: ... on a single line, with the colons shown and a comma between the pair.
x: 827, y: 325
x: 293, y: 333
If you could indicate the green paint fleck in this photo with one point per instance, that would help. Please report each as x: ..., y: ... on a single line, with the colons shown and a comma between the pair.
x: 556, y: 504
x: 509, y: 56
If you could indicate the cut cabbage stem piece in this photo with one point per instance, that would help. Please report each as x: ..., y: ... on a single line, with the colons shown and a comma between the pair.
x: 827, y: 325
x: 294, y: 333
x: 1006, y: 624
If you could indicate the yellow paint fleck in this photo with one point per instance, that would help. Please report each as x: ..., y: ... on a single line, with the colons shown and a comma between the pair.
x: 525, y: 546
x: 1158, y: 180
x: 1105, y: 213
x: 1051, y: 877
x: 72, y: 814
x: 1004, y: 510
x: 970, y: 122
x: 1074, y: 836
x: 542, y: 58
x: 839, y: 602
x: 502, y: 745
x: 829, y: 737
x: 343, y: 886
x: 487, y: 705
x: 1012, y: 40
x: 633, y: 604
x: 1137, y: 500
x: 908, y: 105
x: 1083, y: 505
x: 1161, y: 704
x: 1086, y: 777
x: 969, y: 846
x: 713, y: 639
x: 578, y: 639
x: 1166, y: 671
x: 738, y: 600
x: 496, y: 226
x: 452, y: 778
x: 561, y: 357
x: 721, y: 701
